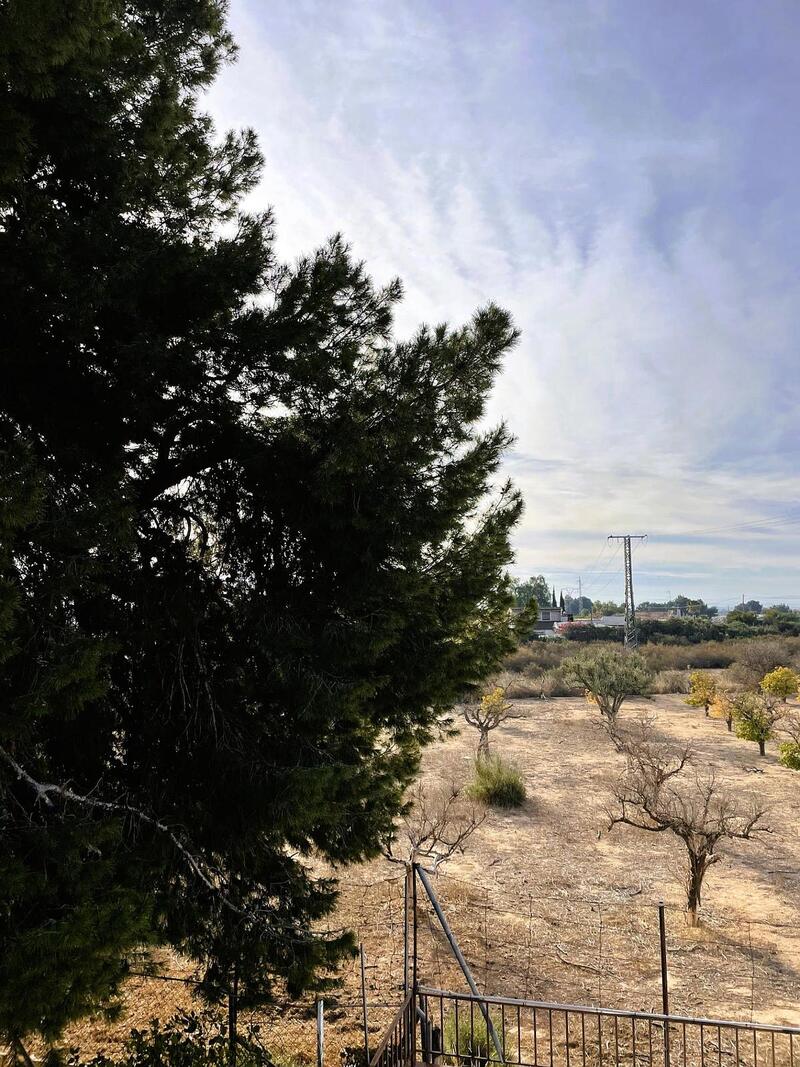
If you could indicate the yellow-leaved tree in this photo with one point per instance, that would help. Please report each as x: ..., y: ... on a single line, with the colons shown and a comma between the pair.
x: 782, y: 683
x: 722, y: 707
x: 487, y: 716
x: 702, y: 690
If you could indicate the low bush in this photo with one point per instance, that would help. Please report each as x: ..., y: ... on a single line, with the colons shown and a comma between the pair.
x: 671, y: 682
x: 471, y: 1043
x: 497, y: 783
x: 188, y: 1039
x: 555, y: 683
x: 519, y: 685
x: 790, y: 754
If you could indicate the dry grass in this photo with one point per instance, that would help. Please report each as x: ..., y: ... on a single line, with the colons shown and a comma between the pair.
x: 547, y: 904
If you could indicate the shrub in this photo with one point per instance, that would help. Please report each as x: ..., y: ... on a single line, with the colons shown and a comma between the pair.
x: 186, y: 1040
x: 520, y: 685
x: 790, y: 754
x: 671, y: 682
x: 554, y: 683
x: 756, y: 657
x: 497, y: 783
x: 471, y: 1045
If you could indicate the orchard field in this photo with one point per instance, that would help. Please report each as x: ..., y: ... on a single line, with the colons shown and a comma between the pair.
x: 548, y: 904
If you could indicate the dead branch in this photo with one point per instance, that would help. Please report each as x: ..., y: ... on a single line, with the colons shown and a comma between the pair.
x: 437, y: 825
x: 658, y: 796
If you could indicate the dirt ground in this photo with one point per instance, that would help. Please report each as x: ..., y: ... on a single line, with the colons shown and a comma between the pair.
x: 548, y: 904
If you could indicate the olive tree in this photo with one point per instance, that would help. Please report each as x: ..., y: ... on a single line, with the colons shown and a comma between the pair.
x: 609, y: 677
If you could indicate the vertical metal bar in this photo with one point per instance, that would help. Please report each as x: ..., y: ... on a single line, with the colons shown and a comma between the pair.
x: 662, y: 938
x: 364, y: 1003
x: 684, y: 1046
x: 414, y: 964
x: 405, y: 933
x: 583, y: 1036
x: 320, y: 1032
x: 633, y: 1040
x: 472, y: 1029
x: 519, y: 1034
x: 535, y: 1048
x: 616, y: 1041
x: 773, y: 1048
x: 566, y: 1033
x: 414, y: 937
x: 503, y: 1029
x: 458, y: 1035
x: 550, y: 1029
x: 736, y: 1034
x: 600, y: 1038
x: 719, y: 1047
x: 702, y: 1048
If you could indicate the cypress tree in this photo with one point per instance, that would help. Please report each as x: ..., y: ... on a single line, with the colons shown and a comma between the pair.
x: 250, y: 550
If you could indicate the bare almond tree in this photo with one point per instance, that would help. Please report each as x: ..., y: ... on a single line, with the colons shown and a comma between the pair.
x: 437, y: 824
x: 486, y: 716
x: 659, y: 794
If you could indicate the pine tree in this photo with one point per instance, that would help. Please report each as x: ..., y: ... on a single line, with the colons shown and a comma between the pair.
x: 250, y: 556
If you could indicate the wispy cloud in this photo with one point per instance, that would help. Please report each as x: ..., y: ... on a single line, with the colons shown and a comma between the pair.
x: 625, y: 185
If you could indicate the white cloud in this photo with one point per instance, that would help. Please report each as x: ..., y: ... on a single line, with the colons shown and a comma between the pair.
x: 535, y: 161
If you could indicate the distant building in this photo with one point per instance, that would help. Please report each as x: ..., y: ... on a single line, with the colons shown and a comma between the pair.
x: 551, y: 618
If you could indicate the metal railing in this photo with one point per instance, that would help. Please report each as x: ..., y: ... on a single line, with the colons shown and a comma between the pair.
x: 537, y: 1034
x: 397, y: 1047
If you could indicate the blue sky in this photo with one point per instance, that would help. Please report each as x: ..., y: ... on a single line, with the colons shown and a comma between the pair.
x: 622, y: 176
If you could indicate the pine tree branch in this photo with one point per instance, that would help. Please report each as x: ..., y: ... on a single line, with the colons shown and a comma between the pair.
x: 44, y: 792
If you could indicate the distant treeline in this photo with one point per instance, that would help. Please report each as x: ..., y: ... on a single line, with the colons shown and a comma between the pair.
x: 688, y: 631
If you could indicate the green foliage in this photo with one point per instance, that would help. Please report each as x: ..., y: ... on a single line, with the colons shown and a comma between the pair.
x: 610, y: 676
x: 782, y: 682
x: 790, y: 754
x: 497, y: 783
x: 470, y: 1042
x: 754, y: 717
x: 586, y: 633
x: 250, y: 552
x: 188, y: 1039
x: 533, y: 590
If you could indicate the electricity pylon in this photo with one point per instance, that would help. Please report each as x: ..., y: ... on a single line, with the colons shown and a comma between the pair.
x: 631, y: 637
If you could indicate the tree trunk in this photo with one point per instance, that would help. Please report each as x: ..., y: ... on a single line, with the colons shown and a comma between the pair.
x: 483, y: 745
x: 761, y: 748
x: 730, y: 725
x: 696, y: 873
x: 706, y: 706
x: 233, y: 1017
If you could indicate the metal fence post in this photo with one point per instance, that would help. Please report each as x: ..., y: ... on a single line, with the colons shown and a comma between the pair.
x: 662, y: 937
x: 364, y: 1005
x: 320, y: 1032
